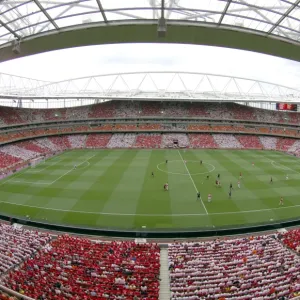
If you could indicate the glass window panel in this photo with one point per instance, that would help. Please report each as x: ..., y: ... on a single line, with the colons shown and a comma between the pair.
x: 246, y: 23
x: 61, y: 3
x: 3, y: 31
x: 248, y: 11
x: 131, y: 14
x: 295, y: 13
x: 28, y: 22
x: 6, y: 38
x: 211, y: 5
x: 68, y: 10
x: 287, y: 33
x: 27, y: 8
x: 114, y: 4
x: 81, y: 19
x: 189, y: 15
x: 291, y: 23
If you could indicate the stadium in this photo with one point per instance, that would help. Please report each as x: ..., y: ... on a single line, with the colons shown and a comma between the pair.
x: 149, y: 184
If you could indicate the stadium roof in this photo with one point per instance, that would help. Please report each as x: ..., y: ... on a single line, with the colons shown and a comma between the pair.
x: 142, y: 86
x: 267, y: 26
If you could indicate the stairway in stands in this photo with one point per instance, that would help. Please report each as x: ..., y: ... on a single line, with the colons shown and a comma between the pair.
x: 164, y: 288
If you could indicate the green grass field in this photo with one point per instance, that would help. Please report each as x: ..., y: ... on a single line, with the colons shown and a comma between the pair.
x: 115, y: 189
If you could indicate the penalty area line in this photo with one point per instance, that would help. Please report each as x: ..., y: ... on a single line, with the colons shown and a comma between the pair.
x: 192, y: 181
x: 71, y: 170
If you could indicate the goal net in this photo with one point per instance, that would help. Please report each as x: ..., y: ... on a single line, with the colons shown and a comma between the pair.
x: 36, y: 161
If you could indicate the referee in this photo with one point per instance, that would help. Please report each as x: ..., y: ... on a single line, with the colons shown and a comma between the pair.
x: 198, y: 196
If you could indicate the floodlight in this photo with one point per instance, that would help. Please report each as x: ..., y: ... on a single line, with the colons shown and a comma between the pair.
x: 161, y: 28
x: 16, y: 47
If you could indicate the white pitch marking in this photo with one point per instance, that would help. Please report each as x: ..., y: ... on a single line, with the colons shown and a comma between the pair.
x: 192, y: 180
x: 48, y: 183
x: 273, y: 161
x: 40, y: 170
x: 71, y: 170
x: 149, y: 215
x: 173, y: 173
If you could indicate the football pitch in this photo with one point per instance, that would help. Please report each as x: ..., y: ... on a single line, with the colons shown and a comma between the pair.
x: 116, y: 189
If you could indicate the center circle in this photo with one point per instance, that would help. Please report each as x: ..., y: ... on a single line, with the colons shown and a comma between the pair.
x: 212, y: 167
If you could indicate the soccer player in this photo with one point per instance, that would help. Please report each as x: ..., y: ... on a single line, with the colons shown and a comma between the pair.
x: 217, y: 182
x: 200, y: 162
x: 166, y: 161
x: 253, y: 164
x: 152, y: 174
x: 239, y: 185
x: 230, y: 186
x: 209, y: 198
x: 75, y: 166
x: 271, y: 180
x: 218, y: 175
x: 229, y: 194
x: 287, y: 177
x: 281, y: 201
x: 207, y: 177
x: 198, y: 195
x: 167, y: 186
x: 241, y: 176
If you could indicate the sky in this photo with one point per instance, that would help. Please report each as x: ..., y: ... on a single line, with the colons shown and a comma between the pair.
x: 118, y: 58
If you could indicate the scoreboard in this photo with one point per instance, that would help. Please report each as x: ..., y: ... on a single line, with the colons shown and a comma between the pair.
x: 286, y: 106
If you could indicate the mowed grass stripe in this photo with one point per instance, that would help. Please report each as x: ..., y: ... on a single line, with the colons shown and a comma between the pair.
x: 252, y: 189
x: 153, y: 199
x: 125, y: 196
x: 97, y: 191
x: 191, y: 165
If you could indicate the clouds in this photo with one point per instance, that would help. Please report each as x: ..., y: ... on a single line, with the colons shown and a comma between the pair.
x: 93, y: 60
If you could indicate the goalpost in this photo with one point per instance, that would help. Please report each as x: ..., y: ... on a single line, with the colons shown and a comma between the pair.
x: 37, y: 161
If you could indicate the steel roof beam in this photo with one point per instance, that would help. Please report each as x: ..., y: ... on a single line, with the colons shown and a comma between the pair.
x: 224, y: 11
x: 284, y: 16
x: 39, y: 5
x: 102, y: 11
x: 10, y: 30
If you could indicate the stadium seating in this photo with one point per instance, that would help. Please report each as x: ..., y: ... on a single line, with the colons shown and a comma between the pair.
x: 241, y: 269
x: 202, y: 141
x: 77, y: 268
x: 284, y: 144
x: 149, y: 126
x: 151, y: 109
x: 124, y: 109
x: 22, y: 151
x: 18, y: 152
x: 197, y: 110
x: 200, y: 127
x: 32, y: 146
x: 292, y: 239
x: 18, y: 244
x: 227, y: 141
x: 47, y: 143
x: 249, y: 141
x: 77, y: 141
x: 269, y: 143
x: 61, y: 142
x: 169, y: 139
x: 148, y: 141
x: 125, y: 127
x: 103, y: 110
x: 121, y: 140
x: 97, y: 140
x: 7, y: 160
